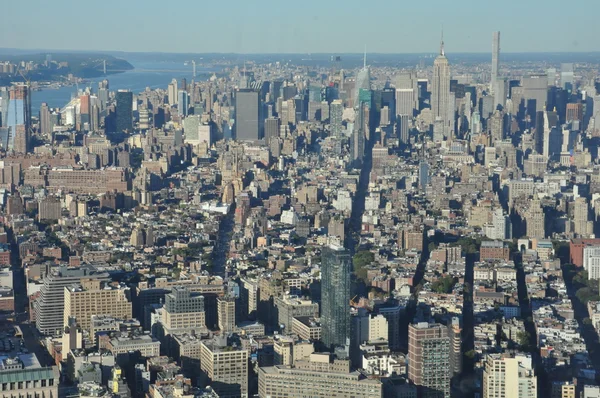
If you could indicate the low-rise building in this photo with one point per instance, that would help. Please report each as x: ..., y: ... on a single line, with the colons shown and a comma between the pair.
x: 24, y: 377
x: 318, y: 377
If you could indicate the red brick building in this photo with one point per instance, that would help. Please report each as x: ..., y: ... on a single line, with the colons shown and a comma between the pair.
x: 494, y: 250
x: 4, y: 255
x: 576, y: 249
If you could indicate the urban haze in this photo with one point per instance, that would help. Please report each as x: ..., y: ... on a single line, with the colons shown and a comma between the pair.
x: 258, y: 210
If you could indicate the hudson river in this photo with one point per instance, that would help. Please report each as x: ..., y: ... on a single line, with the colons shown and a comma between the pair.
x: 146, y: 74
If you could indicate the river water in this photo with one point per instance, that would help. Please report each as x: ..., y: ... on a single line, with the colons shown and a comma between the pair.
x: 146, y: 74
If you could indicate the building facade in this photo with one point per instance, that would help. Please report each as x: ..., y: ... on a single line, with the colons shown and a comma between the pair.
x: 23, y: 377
x: 225, y: 369
x: 335, y: 295
x: 429, y: 359
x: 92, y: 297
x: 509, y: 377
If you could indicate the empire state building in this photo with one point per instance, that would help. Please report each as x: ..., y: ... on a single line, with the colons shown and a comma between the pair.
x: 440, y: 91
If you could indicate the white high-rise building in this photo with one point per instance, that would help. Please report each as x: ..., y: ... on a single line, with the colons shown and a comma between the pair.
x: 509, y: 377
x: 591, y: 261
x: 405, y: 101
x: 407, y: 93
x: 370, y: 327
x: 172, y: 92
x: 501, y: 226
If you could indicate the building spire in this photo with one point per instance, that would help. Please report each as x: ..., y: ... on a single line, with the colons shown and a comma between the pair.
x: 365, y: 58
x: 442, y: 43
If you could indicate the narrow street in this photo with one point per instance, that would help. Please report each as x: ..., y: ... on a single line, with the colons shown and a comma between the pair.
x: 527, y: 316
x: 468, y: 318
x: 31, y: 339
x: 588, y: 332
x: 358, y: 204
x: 221, y: 249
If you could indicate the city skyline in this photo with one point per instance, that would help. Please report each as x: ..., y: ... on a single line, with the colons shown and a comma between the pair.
x: 292, y: 225
x: 133, y: 29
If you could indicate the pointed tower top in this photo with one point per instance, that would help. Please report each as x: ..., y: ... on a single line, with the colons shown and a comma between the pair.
x: 442, y: 43
x: 365, y: 58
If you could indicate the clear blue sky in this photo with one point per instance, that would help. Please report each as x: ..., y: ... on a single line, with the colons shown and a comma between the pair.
x: 245, y: 26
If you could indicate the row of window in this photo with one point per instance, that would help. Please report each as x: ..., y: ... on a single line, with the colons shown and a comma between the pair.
x: 27, y: 384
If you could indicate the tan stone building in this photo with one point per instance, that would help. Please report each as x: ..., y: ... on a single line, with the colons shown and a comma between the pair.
x: 506, y: 376
x: 224, y: 368
x: 183, y: 312
x: 93, y: 297
x: 320, y: 376
x: 306, y: 328
x: 226, y: 314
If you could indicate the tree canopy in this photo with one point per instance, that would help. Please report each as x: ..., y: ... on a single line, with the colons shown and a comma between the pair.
x: 443, y: 284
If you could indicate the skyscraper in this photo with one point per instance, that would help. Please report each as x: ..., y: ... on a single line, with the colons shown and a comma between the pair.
x: 84, y: 110
x: 336, y: 114
x: 535, y: 220
x: 495, y: 59
x: 502, y: 225
x: 496, y: 123
x: 248, y: 124
x: 226, y: 314
x: 335, y: 295
x: 18, y: 118
x: 403, y: 129
x: 124, y: 111
x: 407, y: 93
x: 183, y: 102
x: 581, y: 224
x: 429, y: 359
x: 361, y: 124
x: 423, y: 174
x: 440, y: 90
x: 363, y: 81
x: 49, y: 307
x: 538, y: 137
x: 172, y: 92
x: 405, y: 101
x: 566, y: 76
x: 3, y: 106
x: 103, y: 92
x: 455, y: 333
x: 272, y: 125
x: 509, y: 377
x: 552, y: 141
x: 45, y: 124
x: 535, y: 92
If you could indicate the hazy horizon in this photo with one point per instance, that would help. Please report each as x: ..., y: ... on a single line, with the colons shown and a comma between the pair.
x: 271, y: 27
x: 33, y: 50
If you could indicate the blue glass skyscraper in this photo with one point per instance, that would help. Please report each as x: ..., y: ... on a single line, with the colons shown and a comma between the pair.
x: 336, y: 270
x: 124, y: 111
x: 183, y: 102
x: 423, y: 174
